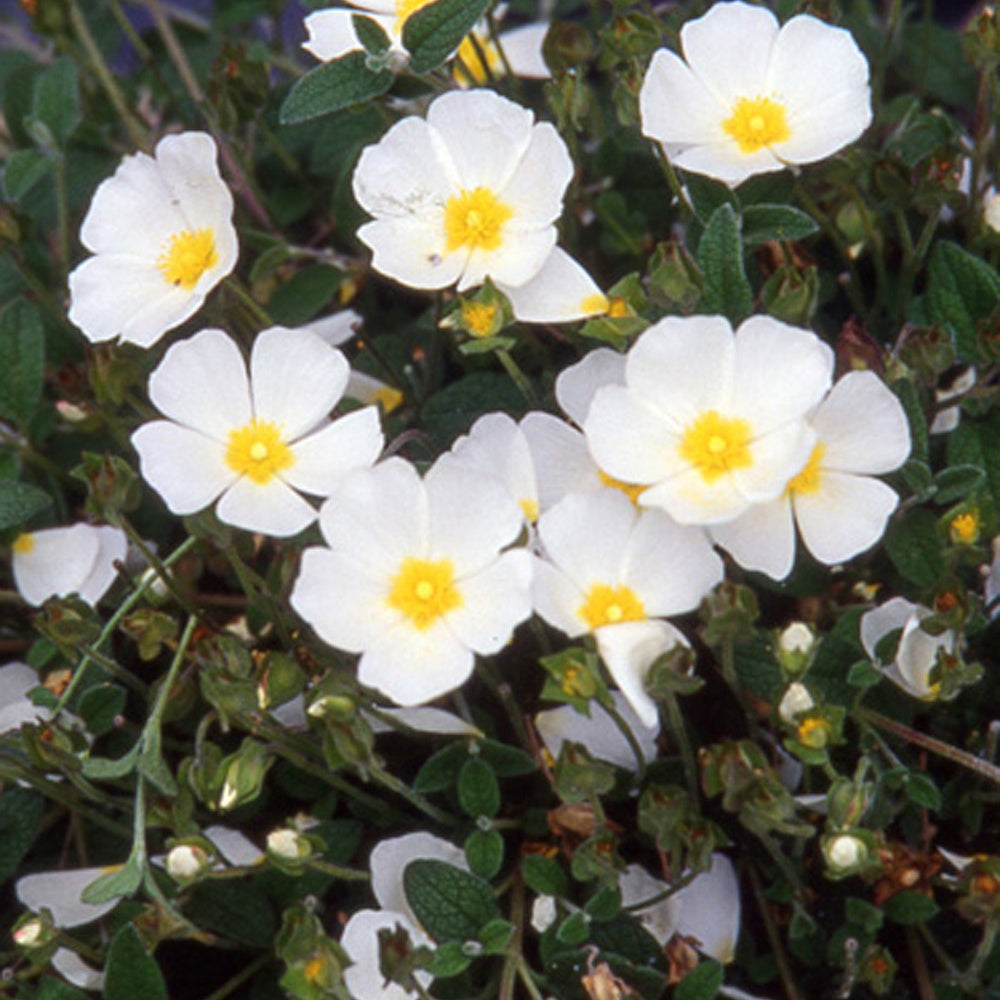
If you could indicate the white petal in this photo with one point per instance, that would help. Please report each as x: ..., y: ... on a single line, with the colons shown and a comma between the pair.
x: 561, y: 292
x: 424, y: 719
x: 762, y: 538
x: 660, y: 919
x: 880, y: 621
x: 234, y: 846
x: 725, y: 161
x: 331, y: 33
x: 56, y: 565
x: 272, y: 508
x: 862, y: 426
x: 709, y: 910
x: 202, y: 383
x: 847, y: 515
x: 186, y: 468
x: 295, y: 379
x: 59, y: 892
x: 16, y: 680
x: 777, y: 457
x: 535, y: 191
x: 577, y: 385
x: 360, y: 940
x: 75, y: 970
x: 188, y: 163
x: 335, y: 329
x: 557, y: 599
x: 689, y: 499
x: 563, y: 463
x: 390, y: 857
x: 675, y: 106
x: 412, y: 251
x: 917, y: 656
x: 112, y: 547
x: 494, y: 602
x: 485, y: 135
x: 519, y: 258
x: 323, y: 458
x: 523, y: 49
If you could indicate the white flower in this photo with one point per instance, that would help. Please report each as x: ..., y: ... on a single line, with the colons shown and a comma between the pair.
x: 59, y: 892
x: 795, y: 700
x: 256, y: 441
x: 519, y: 48
x: 839, y: 508
x: 608, y: 569
x: 947, y: 419
x: 707, y: 909
x: 918, y: 651
x: 162, y: 234
x: 56, y: 562
x: 709, y: 420
x: 473, y: 191
x: 414, y: 578
x: 598, y: 732
x: 750, y: 97
x: 16, y: 680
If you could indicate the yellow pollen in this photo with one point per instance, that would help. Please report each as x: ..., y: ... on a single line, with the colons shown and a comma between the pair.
x: 475, y: 220
x: 478, y: 318
x: 808, y: 480
x: 756, y: 122
x: 469, y: 69
x: 715, y: 445
x: 404, y: 8
x: 257, y: 450
x: 424, y: 591
x: 618, y: 307
x: 606, y: 605
x: 632, y: 490
x: 530, y: 510
x: 388, y: 398
x: 595, y: 304
x: 814, y: 733
x: 313, y: 969
x: 24, y: 543
x: 964, y: 528
x: 187, y: 256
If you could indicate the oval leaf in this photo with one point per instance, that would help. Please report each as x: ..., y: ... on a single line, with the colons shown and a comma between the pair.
x: 452, y: 905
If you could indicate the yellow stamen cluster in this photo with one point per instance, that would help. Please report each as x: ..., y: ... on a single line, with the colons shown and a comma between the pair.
x: 257, y: 450
x: 964, y: 528
x: 814, y: 733
x: 424, y: 590
x: 757, y: 122
x: 478, y: 318
x: 607, y: 605
x: 474, y: 220
x: 24, y: 543
x: 715, y: 445
x: 187, y: 256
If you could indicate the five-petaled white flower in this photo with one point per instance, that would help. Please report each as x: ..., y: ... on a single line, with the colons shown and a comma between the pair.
x: 474, y: 191
x: 839, y: 508
x: 414, y: 578
x: 162, y: 234
x: 749, y: 97
x: 254, y: 441
x: 711, y: 421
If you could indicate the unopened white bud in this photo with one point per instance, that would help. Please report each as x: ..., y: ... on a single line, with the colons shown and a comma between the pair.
x: 287, y: 844
x: 543, y: 913
x: 30, y: 934
x: 185, y: 861
x: 845, y: 851
x: 796, y: 699
x: 229, y: 797
x: 796, y: 638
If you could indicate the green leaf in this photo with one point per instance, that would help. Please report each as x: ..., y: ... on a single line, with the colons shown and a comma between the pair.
x: 56, y: 99
x: 720, y: 257
x: 864, y: 914
x: 334, y: 85
x: 371, y: 34
x: 977, y: 443
x: 484, y: 852
x: 449, y: 960
x: 22, y: 171
x: 22, y: 361
x: 131, y: 971
x: 914, y: 547
x: 100, y: 705
x: 152, y: 766
x: 958, y: 481
x: 574, y: 930
x: 701, y: 983
x: 20, y: 813
x: 921, y: 790
x: 104, y: 769
x: 19, y: 502
x: 236, y: 909
x: 506, y: 761
x: 55, y: 989
x: 543, y: 875
x: 776, y: 222
x: 707, y: 195
x: 910, y: 907
x: 496, y: 935
x: 432, y: 33
x: 454, y: 409
x: 907, y: 393
x: 120, y: 882
x: 864, y: 674
x: 440, y: 770
x: 962, y: 289
x: 478, y: 791
x: 452, y: 905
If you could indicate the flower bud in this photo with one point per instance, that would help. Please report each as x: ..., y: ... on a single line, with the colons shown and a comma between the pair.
x: 288, y: 845
x: 543, y: 913
x: 31, y: 934
x: 795, y: 701
x: 845, y: 851
x: 185, y: 862
x: 795, y: 647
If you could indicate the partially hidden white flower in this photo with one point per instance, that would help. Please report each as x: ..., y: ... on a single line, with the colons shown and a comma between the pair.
x: 59, y: 892
x: 751, y: 97
x: 75, y: 970
x: 598, y: 732
x: 479, y: 58
x: 16, y: 680
x: 707, y: 909
x: 473, y: 191
x: 55, y: 562
x: 162, y: 236
x: 991, y: 209
x: 709, y: 421
x: 948, y: 418
x: 415, y: 578
x: 255, y: 442
x: 234, y: 847
x: 840, y: 509
x: 612, y: 570
x: 991, y: 583
x: 918, y: 651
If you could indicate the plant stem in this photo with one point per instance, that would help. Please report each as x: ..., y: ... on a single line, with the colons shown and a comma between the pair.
x: 679, y: 732
x: 518, y: 377
x: 228, y: 988
x: 774, y: 938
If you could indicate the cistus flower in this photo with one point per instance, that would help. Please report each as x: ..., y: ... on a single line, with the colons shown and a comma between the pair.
x: 415, y: 578
x: 56, y: 562
x: 162, y: 236
x: 255, y: 442
x: 473, y: 191
x: 708, y: 421
x: 751, y: 97
x: 840, y: 509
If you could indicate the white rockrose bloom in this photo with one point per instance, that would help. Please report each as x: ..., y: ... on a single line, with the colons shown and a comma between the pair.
x: 840, y: 509
x: 162, y: 236
x: 415, y: 578
x: 709, y: 421
x: 751, y: 97
x: 480, y: 59
x: 56, y: 562
x: 255, y: 442
x: 610, y: 569
x: 707, y: 909
x: 918, y: 651
x: 59, y: 892
x: 474, y: 191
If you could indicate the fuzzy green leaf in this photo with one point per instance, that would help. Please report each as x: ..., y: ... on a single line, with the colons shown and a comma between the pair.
x: 131, y: 971
x: 334, y: 85
x: 776, y: 222
x: 56, y: 99
x: 22, y: 171
x: 432, y: 33
x: 720, y: 257
x: 961, y: 290
x: 22, y: 361
x: 20, y: 813
x: 478, y: 791
x: 452, y: 905
x: 19, y: 502
x: 701, y: 983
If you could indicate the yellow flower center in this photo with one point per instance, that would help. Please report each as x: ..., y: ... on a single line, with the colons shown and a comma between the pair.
x: 187, y: 256
x: 606, y: 605
x: 424, y: 591
x: 757, y: 122
x: 632, y: 490
x: 814, y: 733
x: 257, y: 450
x: 808, y: 480
x: 388, y: 398
x: 24, y: 543
x: 715, y: 445
x: 596, y: 304
x: 313, y: 969
x: 469, y: 69
x: 964, y: 528
x: 475, y: 220
x: 530, y: 509
x: 478, y: 317
x: 404, y: 8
